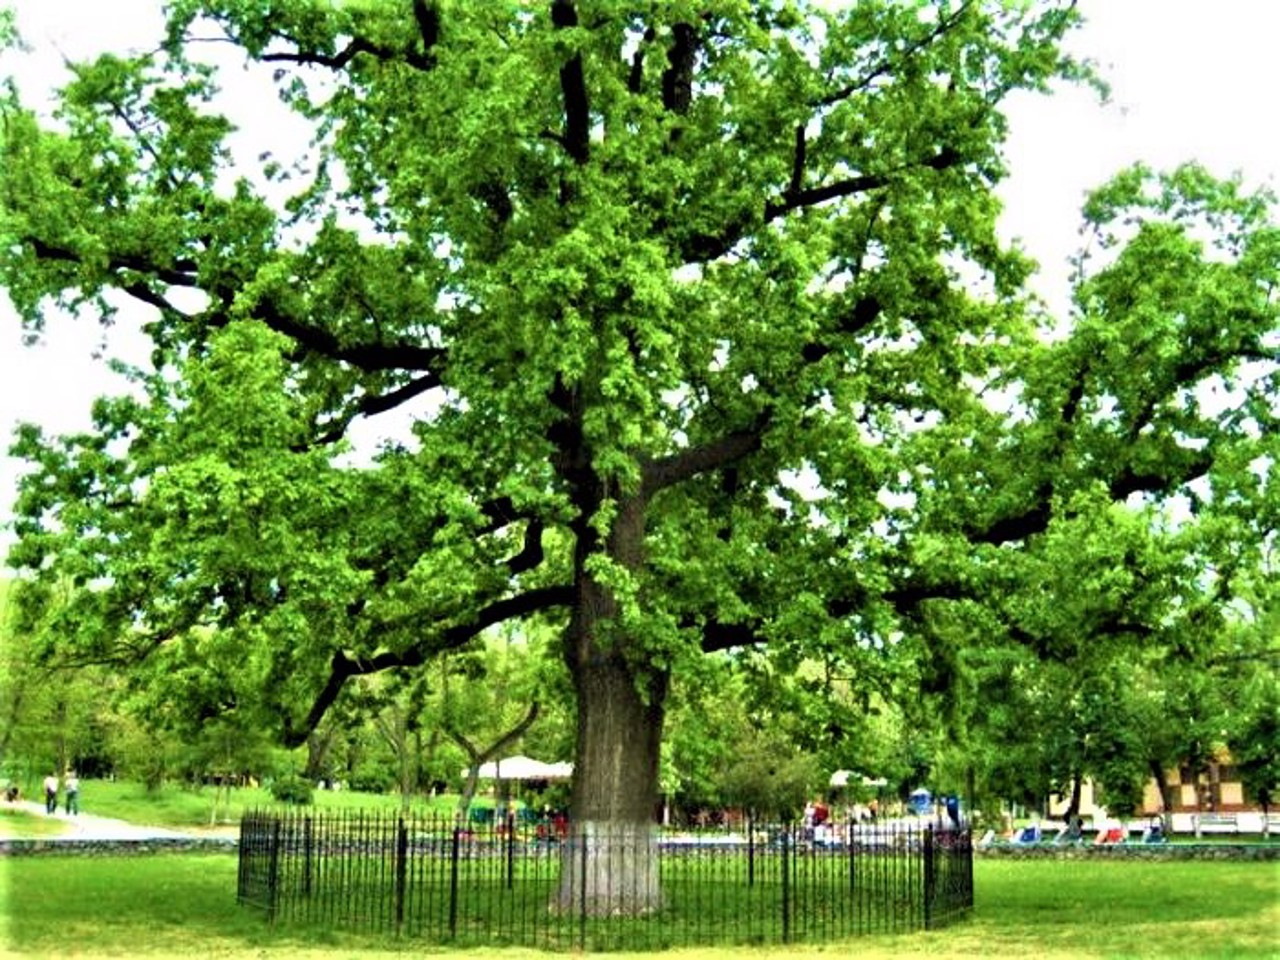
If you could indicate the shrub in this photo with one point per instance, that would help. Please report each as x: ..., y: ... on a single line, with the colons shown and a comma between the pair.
x: 292, y: 789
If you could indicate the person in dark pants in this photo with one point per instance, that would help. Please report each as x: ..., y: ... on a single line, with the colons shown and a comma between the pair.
x: 51, y: 793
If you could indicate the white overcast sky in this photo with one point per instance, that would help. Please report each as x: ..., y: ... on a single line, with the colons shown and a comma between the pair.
x: 1191, y: 79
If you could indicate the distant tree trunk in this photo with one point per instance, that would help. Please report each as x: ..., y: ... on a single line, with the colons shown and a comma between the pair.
x: 393, y: 723
x: 427, y: 756
x: 319, y: 741
x: 15, y: 711
x: 1166, y: 794
x: 611, y: 864
x: 477, y: 756
x: 221, y: 798
x: 1073, y: 806
x: 1196, y: 769
x: 63, y: 760
x: 418, y: 784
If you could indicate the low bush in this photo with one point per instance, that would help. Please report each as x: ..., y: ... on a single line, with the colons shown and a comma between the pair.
x: 292, y: 789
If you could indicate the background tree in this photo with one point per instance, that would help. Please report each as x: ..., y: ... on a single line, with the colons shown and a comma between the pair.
x: 1247, y: 666
x: 53, y: 717
x: 682, y: 301
x: 1254, y: 741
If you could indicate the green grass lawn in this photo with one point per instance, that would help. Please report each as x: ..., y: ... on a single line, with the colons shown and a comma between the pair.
x: 176, y: 905
x: 21, y: 825
x: 504, y: 892
x: 175, y: 805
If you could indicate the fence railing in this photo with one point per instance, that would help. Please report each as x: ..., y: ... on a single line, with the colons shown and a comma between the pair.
x: 556, y: 887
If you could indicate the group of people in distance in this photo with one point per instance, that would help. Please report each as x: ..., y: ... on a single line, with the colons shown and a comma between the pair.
x: 70, y: 785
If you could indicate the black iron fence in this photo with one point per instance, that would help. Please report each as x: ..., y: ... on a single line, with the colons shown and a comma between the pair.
x: 555, y: 886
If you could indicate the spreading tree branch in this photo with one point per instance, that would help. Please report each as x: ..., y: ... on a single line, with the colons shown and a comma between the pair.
x: 426, y: 16
x: 717, y: 636
x: 367, y: 356
x: 342, y: 667
x: 890, y: 63
x: 1130, y: 480
x: 144, y: 294
x: 864, y: 313
x: 179, y: 273
x: 701, y: 247
x: 850, y: 186
x: 796, y: 186
x: 635, y: 78
x: 373, y: 404
x: 573, y: 87
x: 476, y: 756
x: 677, y: 79
x: 531, y: 553
x: 722, y: 452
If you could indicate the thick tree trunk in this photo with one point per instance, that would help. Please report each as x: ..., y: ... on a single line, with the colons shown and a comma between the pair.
x: 611, y: 860
x: 610, y: 863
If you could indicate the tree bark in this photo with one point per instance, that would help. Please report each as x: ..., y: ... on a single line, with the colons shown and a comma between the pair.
x: 610, y: 861
x: 1166, y: 793
x: 318, y: 745
x: 1073, y: 807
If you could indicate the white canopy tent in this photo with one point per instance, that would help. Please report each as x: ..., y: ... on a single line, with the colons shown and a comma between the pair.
x: 841, y: 779
x: 524, y: 768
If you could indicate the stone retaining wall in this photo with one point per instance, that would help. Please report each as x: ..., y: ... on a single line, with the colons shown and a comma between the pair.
x: 1120, y: 851
x: 1132, y: 851
x: 113, y: 848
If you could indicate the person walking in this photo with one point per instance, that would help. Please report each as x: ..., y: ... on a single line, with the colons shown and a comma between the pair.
x: 72, y: 785
x: 51, y: 793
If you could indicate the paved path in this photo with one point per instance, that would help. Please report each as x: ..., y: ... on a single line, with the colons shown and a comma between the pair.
x: 86, y: 826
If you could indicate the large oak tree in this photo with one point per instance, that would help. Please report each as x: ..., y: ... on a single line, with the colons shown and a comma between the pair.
x: 695, y: 308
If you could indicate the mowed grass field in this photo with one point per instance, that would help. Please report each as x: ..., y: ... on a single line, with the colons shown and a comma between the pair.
x: 179, y: 806
x: 184, y: 905
x: 18, y: 824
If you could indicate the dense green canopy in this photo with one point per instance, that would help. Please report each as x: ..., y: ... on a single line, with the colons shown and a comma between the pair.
x: 706, y: 333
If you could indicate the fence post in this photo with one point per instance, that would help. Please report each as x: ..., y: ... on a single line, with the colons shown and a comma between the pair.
x: 453, y: 884
x: 930, y: 876
x: 402, y: 850
x: 582, y: 886
x: 307, y: 842
x: 242, y: 856
x: 273, y: 870
x: 851, y: 843
x: 968, y: 867
x: 511, y: 849
x: 751, y: 853
x: 786, y: 883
